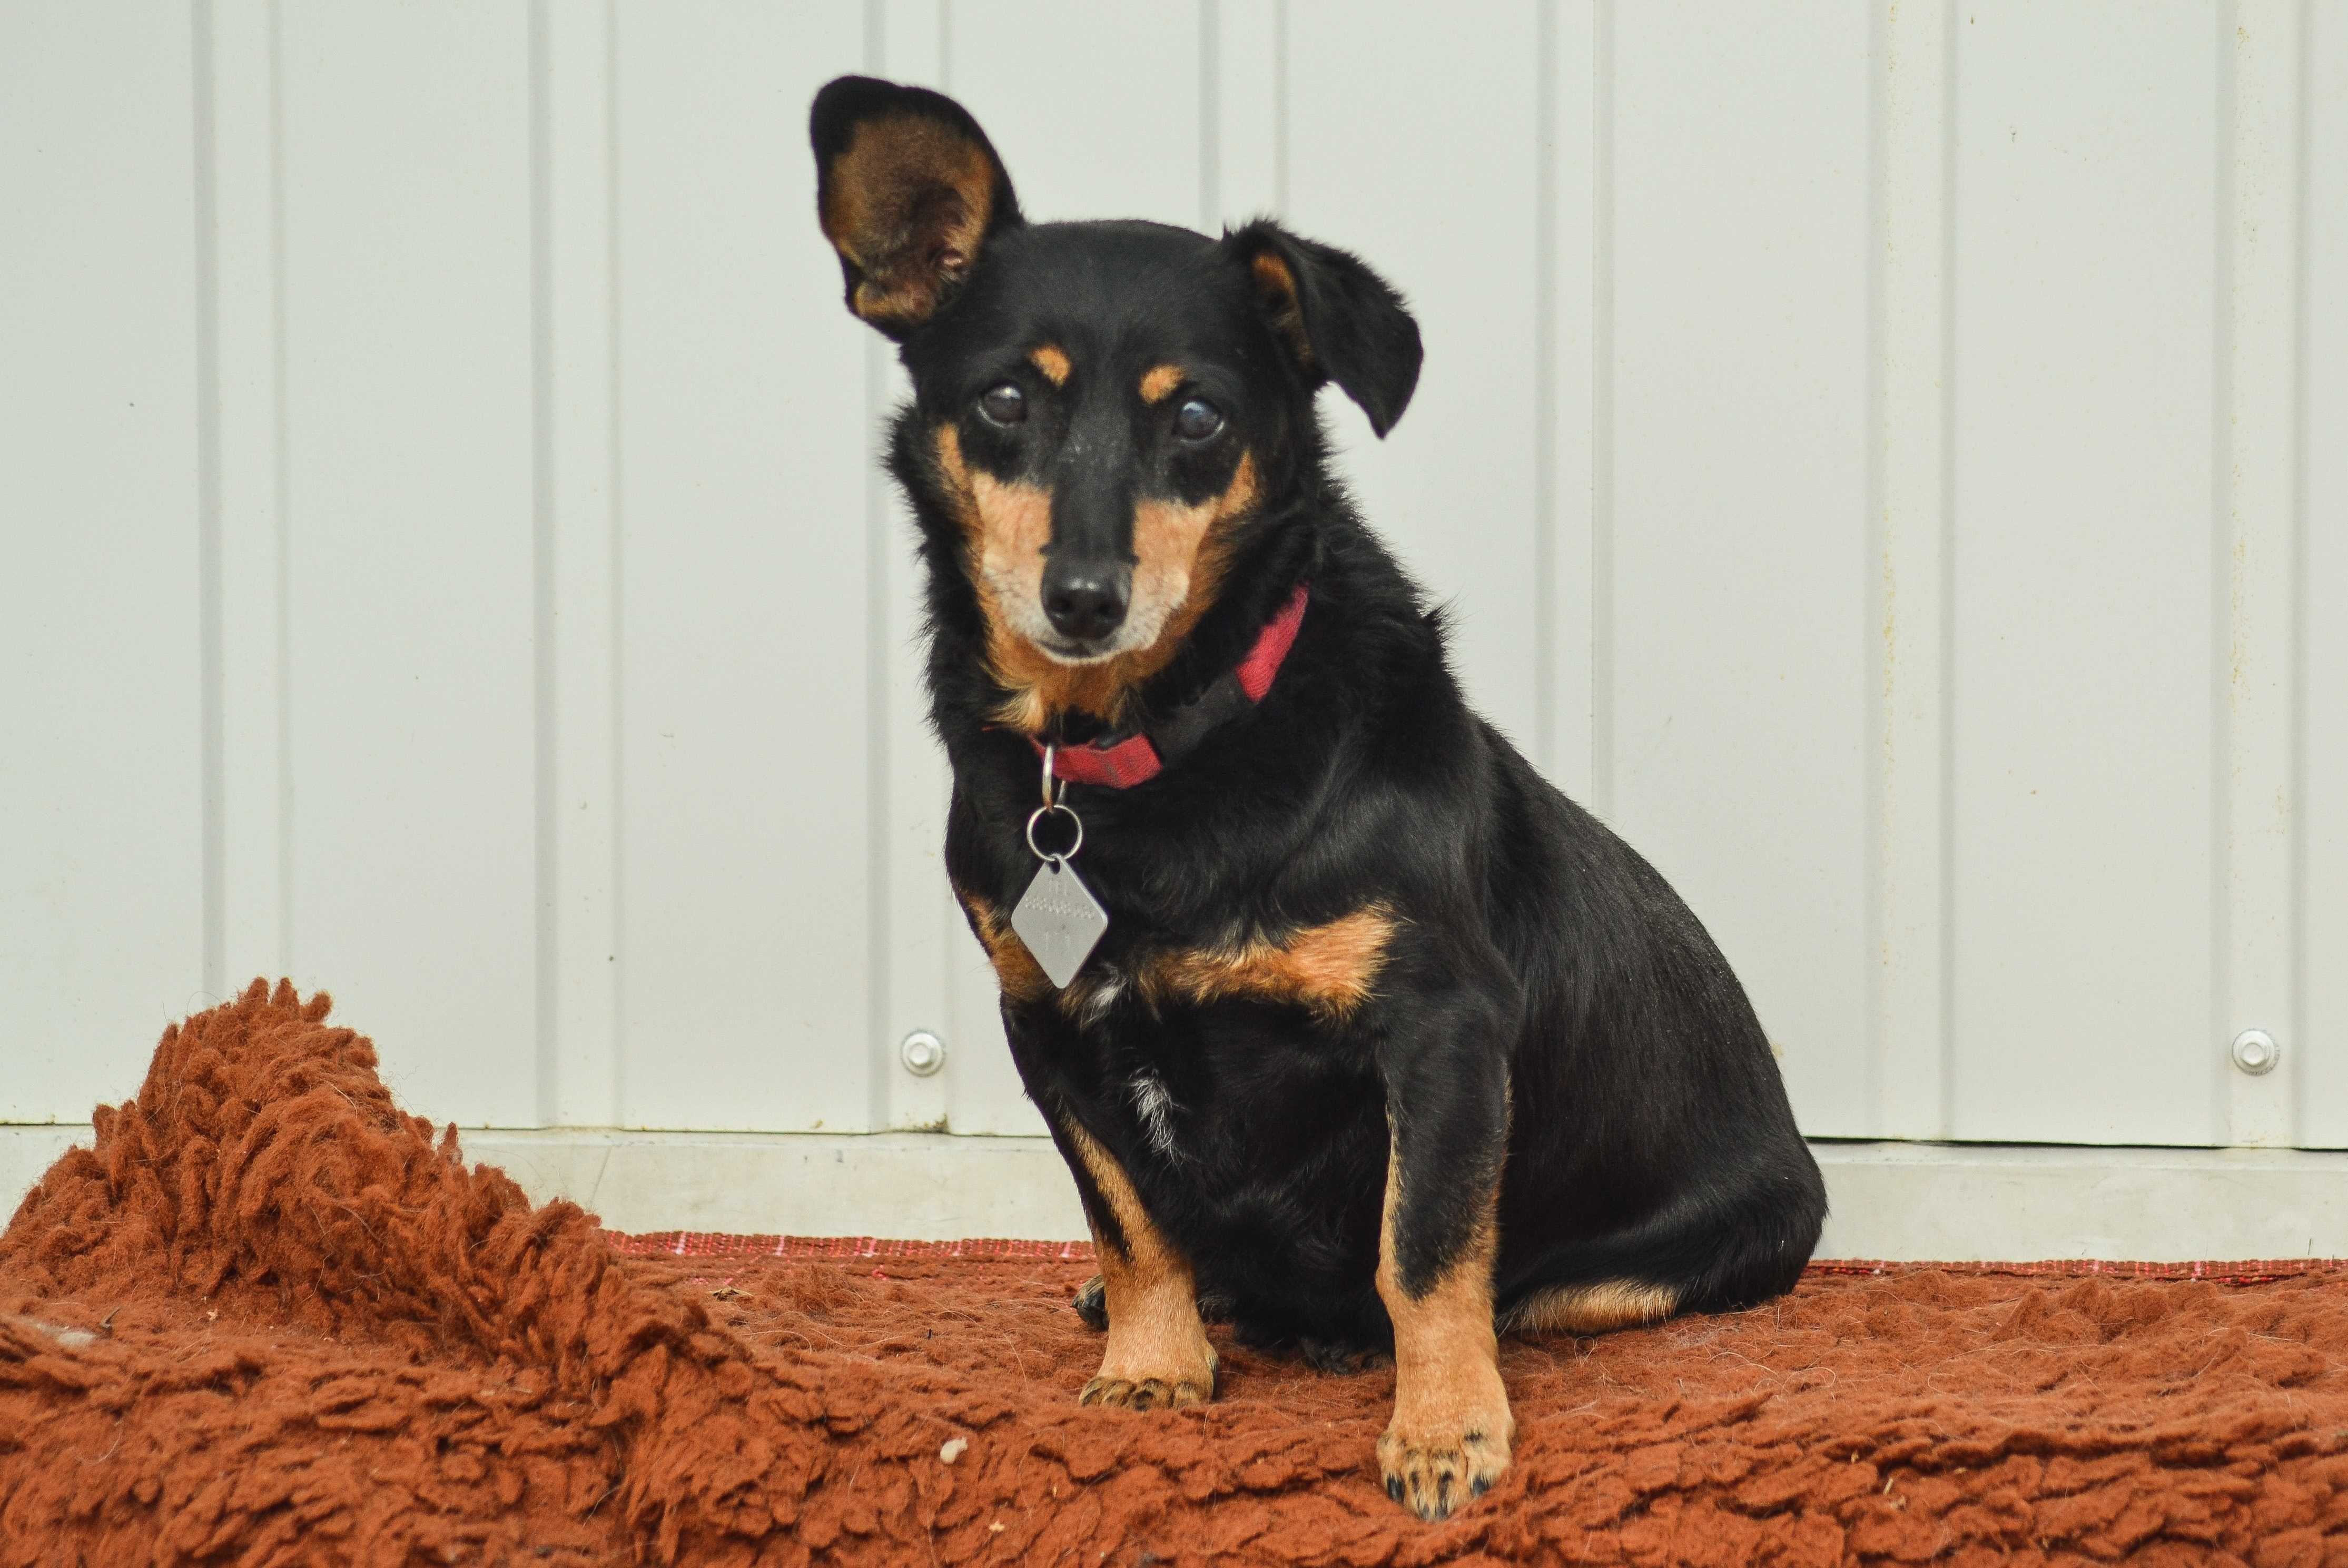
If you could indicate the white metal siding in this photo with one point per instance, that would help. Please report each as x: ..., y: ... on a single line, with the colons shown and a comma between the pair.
x: 408, y: 546
x: 1888, y: 460
x: 2087, y: 669
x: 101, y: 701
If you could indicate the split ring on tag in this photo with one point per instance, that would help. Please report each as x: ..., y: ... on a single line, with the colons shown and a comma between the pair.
x: 1054, y: 800
x: 1057, y: 917
x: 1061, y: 856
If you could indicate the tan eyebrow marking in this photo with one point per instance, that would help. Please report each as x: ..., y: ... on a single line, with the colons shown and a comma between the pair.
x: 1158, y: 383
x: 1053, y: 361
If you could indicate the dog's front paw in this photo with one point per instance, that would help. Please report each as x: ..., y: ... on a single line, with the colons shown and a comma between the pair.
x: 1451, y: 1431
x: 1433, y: 1474
x: 1162, y: 1374
x: 1148, y: 1393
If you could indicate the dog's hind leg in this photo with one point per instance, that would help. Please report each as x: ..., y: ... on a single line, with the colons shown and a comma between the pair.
x: 1092, y: 1304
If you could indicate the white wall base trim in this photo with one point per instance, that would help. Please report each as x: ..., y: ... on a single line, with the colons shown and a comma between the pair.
x: 1978, y: 1202
x: 1953, y: 1201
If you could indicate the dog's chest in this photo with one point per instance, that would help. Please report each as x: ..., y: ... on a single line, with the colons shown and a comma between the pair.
x: 1206, y: 1075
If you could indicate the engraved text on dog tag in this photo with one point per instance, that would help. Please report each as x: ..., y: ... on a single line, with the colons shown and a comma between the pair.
x: 1059, y: 920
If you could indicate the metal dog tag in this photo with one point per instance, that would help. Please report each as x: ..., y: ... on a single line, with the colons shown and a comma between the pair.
x: 1059, y: 920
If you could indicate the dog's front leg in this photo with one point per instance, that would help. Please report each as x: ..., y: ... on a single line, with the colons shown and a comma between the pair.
x: 1447, y: 1109
x: 1158, y: 1353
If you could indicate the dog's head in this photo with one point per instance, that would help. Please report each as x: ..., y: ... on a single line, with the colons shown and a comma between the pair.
x: 1104, y: 408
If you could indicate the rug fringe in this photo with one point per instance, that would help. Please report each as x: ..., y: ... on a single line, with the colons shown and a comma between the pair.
x: 1000, y: 1250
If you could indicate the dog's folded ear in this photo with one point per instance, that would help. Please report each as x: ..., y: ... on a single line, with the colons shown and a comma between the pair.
x: 909, y: 191
x: 1341, y: 321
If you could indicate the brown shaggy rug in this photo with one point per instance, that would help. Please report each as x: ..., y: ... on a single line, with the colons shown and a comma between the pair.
x: 273, y: 1319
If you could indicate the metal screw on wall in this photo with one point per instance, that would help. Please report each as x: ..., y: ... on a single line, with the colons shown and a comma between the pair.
x: 2255, y: 1052
x: 922, y: 1053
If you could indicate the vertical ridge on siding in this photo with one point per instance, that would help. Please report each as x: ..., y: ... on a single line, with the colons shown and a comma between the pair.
x: 280, y: 478
x: 1877, y: 629
x: 1601, y: 422
x: 2323, y: 660
x: 2259, y: 535
x: 576, y: 634
x: 244, y: 293
x: 616, y: 444
x: 2306, y: 1132
x: 1210, y: 194
x: 1280, y: 132
x: 546, y: 998
x: 214, y: 970
x: 1544, y: 200
x: 1947, y: 650
x: 880, y: 973
x: 1562, y: 595
x: 1904, y: 630
x: 2223, y: 1079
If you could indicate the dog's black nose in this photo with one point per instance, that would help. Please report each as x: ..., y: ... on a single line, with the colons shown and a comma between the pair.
x: 1084, y: 606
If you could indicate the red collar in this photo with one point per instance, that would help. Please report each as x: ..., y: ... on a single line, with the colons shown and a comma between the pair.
x: 1141, y: 757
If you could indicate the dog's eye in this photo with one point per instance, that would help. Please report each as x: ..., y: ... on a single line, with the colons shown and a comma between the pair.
x: 1197, y: 421
x: 1005, y: 405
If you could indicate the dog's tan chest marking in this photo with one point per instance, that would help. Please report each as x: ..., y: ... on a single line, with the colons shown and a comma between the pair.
x: 1328, y: 969
x: 1015, y: 969
x: 1175, y: 577
x: 1158, y: 1353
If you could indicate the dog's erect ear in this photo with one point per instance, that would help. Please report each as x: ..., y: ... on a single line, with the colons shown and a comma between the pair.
x: 1343, y: 322
x: 909, y: 191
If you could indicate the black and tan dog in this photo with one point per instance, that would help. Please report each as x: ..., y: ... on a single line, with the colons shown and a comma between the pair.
x: 1387, y: 1043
